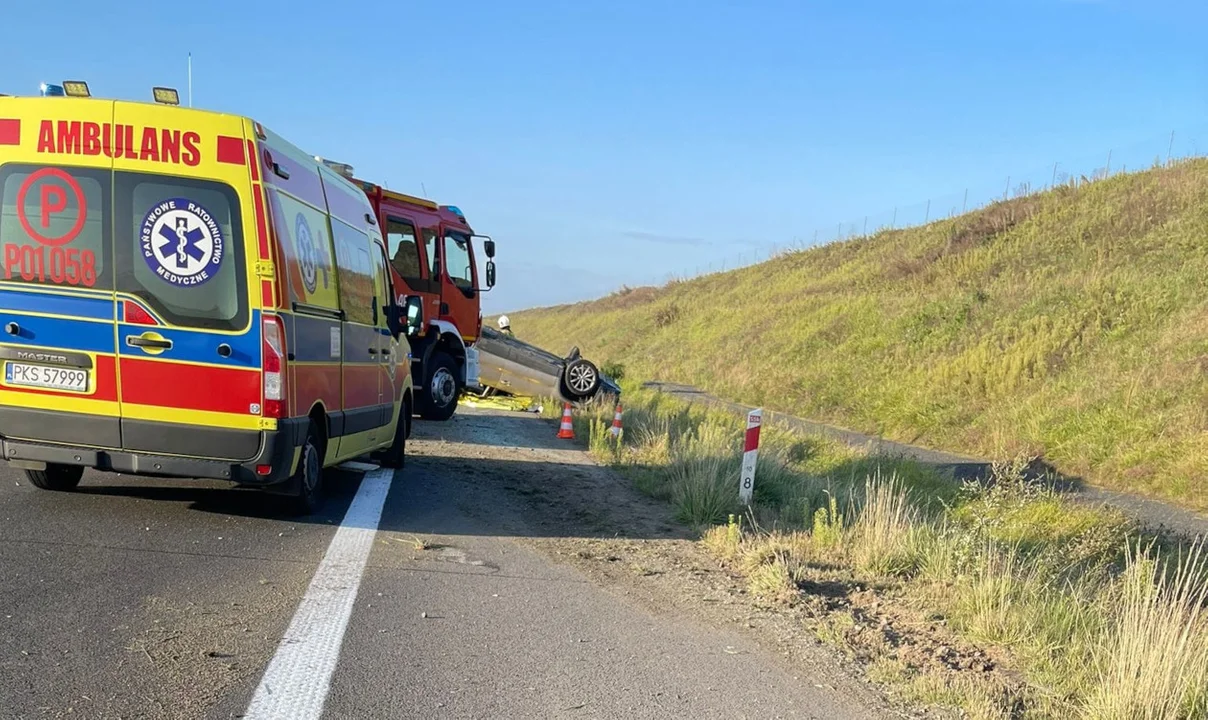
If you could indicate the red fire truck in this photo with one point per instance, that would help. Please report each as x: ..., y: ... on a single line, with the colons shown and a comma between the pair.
x: 431, y: 253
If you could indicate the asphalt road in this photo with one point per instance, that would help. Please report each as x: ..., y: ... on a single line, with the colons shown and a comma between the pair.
x: 135, y: 598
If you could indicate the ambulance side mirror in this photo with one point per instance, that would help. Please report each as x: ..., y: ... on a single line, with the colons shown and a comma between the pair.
x: 415, y: 315
x: 407, y: 317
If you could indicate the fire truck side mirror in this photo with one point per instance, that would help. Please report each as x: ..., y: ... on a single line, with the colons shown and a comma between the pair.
x: 490, y: 274
x: 488, y: 246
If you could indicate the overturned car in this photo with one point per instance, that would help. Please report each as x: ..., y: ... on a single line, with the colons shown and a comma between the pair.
x: 512, y: 366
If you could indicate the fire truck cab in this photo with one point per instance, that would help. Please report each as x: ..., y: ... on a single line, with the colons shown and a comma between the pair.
x: 431, y: 253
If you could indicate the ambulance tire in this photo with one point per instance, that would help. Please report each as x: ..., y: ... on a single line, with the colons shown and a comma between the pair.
x: 395, y: 455
x: 442, y: 371
x: 56, y: 477
x: 309, y: 475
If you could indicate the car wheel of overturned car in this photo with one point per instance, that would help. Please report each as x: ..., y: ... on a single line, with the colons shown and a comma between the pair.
x: 439, y: 400
x: 56, y: 477
x: 581, y: 379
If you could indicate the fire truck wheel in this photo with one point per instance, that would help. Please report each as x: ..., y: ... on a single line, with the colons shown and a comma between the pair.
x: 395, y: 455
x: 56, y: 477
x: 441, y: 388
x: 309, y: 475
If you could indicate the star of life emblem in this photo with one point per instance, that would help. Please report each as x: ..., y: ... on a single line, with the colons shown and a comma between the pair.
x: 182, y: 242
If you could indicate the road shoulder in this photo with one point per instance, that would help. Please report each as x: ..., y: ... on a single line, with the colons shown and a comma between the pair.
x: 591, y: 518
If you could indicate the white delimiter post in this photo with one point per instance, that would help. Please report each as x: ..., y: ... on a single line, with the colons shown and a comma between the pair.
x: 750, y: 451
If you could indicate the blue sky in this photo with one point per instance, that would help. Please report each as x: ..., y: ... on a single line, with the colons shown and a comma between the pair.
x: 616, y: 143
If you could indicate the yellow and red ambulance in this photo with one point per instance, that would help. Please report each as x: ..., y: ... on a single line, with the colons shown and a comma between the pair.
x: 185, y: 294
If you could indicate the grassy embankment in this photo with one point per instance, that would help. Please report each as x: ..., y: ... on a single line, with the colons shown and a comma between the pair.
x: 1071, y: 324
x: 1003, y: 601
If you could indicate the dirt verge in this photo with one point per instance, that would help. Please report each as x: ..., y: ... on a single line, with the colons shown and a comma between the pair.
x: 591, y: 518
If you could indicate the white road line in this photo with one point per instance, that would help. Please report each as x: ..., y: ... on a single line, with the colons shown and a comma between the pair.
x: 356, y: 466
x: 294, y: 686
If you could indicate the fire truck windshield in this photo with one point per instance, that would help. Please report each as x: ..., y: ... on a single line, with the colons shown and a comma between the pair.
x: 457, y: 261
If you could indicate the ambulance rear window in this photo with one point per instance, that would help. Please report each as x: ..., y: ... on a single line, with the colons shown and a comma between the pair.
x: 180, y: 248
x: 54, y: 227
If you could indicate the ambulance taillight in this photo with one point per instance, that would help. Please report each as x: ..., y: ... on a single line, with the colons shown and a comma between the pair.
x: 273, y: 367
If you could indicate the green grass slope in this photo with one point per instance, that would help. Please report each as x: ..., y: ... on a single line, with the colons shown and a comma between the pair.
x: 1071, y: 324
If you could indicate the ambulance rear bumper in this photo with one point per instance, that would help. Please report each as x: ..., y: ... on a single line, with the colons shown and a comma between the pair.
x: 271, y: 465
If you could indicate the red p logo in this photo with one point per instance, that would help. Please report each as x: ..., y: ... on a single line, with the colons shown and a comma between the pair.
x: 54, y: 200
x: 53, y: 185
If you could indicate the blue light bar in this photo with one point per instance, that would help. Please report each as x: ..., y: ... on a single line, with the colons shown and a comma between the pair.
x: 52, y: 90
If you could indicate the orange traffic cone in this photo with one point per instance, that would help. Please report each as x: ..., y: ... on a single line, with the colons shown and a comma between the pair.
x: 567, y: 431
x: 616, y: 422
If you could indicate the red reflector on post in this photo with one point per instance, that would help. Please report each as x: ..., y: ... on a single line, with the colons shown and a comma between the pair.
x: 751, y: 441
x: 230, y: 150
x: 10, y: 132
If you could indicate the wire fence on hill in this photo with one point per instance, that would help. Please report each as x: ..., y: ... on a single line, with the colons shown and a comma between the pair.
x: 1169, y: 148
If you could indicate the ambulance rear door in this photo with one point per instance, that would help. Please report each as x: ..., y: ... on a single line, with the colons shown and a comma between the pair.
x: 189, y: 330
x: 58, y: 378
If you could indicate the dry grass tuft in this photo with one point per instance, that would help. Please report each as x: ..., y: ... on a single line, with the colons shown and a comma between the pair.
x: 1155, y: 663
x: 881, y: 540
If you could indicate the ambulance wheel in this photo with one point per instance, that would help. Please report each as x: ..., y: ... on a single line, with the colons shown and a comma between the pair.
x: 395, y: 455
x: 439, y: 400
x: 56, y: 477
x: 309, y: 475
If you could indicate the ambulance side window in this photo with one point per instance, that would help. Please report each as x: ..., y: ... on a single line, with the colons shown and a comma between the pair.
x: 180, y: 248
x: 355, y: 270
x: 304, y: 239
x: 381, y: 284
x: 54, y: 226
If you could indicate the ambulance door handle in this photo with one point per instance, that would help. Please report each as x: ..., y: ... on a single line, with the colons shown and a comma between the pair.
x: 146, y: 342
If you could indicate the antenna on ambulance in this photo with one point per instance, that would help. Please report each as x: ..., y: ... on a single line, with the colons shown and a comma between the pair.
x: 190, y: 79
